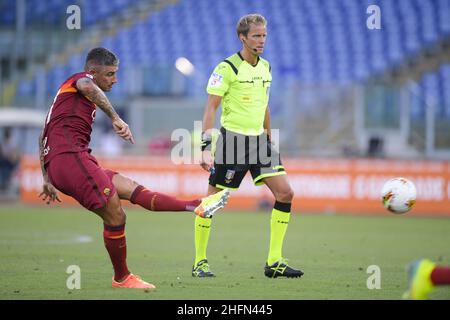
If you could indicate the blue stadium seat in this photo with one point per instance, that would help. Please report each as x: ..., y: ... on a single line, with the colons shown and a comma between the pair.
x: 314, y: 41
x: 53, y: 12
x: 433, y: 90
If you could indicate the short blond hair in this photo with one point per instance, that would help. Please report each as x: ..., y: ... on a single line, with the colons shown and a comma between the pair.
x: 243, y: 26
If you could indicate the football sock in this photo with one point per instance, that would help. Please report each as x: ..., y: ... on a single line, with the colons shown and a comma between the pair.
x: 116, y: 245
x: 202, y: 229
x: 278, y: 226
x: 156, y: 201
x: 440, y: 275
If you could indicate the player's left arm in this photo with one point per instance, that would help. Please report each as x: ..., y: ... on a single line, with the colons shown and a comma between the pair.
x: 267, y: 123
x: 90, y: 90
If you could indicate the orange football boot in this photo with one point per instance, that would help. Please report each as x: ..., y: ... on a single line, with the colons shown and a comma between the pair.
x: 133, y: 282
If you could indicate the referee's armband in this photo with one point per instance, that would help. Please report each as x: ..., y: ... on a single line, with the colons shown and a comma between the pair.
x: 206, y: 141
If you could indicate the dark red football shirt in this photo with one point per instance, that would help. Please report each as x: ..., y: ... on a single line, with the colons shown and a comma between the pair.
x: 69, y: 121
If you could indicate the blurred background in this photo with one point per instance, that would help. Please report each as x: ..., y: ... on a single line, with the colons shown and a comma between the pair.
x: 349, y: 81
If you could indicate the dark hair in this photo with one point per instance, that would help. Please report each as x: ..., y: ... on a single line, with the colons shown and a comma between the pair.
x: 101, y: 57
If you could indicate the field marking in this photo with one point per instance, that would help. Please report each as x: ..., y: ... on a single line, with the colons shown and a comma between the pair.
x: 73, y: 239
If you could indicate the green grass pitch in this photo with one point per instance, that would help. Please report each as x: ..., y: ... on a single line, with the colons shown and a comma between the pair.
x: 38, y: 244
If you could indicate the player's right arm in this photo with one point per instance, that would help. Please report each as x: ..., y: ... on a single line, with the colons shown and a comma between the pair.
x: 209, y: 116
x: 90, y: 90
x: 49, y: 192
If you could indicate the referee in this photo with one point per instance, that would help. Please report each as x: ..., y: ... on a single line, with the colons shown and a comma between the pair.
x: 241, y: 84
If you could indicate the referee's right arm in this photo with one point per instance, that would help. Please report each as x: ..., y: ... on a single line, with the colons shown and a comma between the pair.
x: 209, y: 118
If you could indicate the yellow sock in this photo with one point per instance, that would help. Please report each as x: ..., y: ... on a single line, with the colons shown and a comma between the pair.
x: 202, y: 229
x: 278, y: 226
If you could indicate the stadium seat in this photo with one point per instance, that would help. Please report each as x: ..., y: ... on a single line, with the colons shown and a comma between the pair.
x: 312, y: 41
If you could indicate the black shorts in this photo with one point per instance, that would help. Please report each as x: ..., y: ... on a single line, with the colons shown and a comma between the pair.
x: 236, y: 154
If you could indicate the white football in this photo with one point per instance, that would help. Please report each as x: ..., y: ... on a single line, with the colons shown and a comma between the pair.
x: 398, y: 195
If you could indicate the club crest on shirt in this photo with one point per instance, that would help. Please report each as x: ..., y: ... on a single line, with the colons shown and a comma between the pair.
x: 107, y: 191
x: 229, y: 175
x: 215, y: 80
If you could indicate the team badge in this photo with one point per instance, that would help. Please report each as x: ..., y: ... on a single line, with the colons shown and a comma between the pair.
x: 107, y: 191
x: 215, y: 80
x: 229, y: 175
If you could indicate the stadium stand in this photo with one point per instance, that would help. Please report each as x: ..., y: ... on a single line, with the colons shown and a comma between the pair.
x: 37, y: 12
x: 314, y: 42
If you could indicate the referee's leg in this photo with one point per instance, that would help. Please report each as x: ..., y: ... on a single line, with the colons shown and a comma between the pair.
x: 281, y: 213
x: 202, y: 229
x: 276, y: 265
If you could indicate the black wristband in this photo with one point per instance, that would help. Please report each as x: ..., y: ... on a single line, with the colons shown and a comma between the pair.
x: 206, y: 141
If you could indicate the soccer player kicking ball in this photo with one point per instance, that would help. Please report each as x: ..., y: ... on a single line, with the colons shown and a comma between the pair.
x: 241, y: 84
x: 68, y: 166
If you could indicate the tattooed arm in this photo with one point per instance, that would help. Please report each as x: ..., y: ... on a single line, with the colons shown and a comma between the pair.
x: 90, y: 90
x: 41, y: 156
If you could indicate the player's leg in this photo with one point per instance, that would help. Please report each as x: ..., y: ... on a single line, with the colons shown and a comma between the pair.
x: 129, y: 189
x: 423, y: 275
x: 87, y: 183
x: 114, y: 238
x: 277, y: 266
x: 440, y: 275
x: 114, y: 218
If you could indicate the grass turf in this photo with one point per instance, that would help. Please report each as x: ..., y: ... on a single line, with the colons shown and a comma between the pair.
x: 38, y: 244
